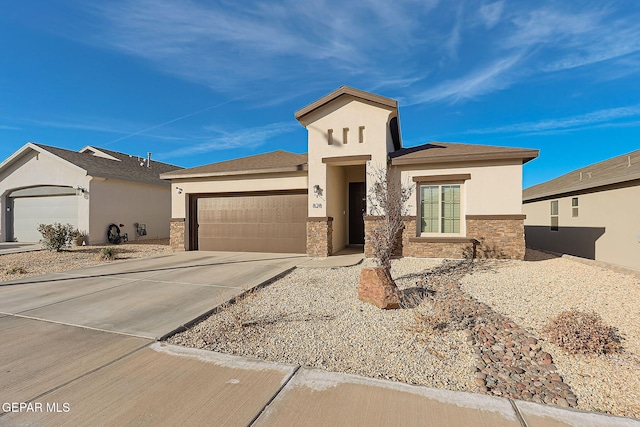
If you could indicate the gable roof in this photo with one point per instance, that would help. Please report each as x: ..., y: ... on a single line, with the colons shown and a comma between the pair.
x: 99, y: 162
x: 616, y: 170
x: 345, y: 90
x: 448, y: 152
x: 275, y: 161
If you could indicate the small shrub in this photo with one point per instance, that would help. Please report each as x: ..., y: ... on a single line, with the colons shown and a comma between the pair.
x: 585, y: 333
x: 57, y: 236
x: 13, y: 269
x: 107, y: 253
x: 482, y: 250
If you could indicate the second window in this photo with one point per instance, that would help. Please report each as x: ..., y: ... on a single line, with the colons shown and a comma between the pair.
x: 440, y: 209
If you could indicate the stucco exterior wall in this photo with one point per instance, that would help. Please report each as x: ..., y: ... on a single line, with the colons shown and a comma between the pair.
x: 606, y: 229
x: 495, y: 188
x: 351, y: 113
x: 38, y: 169
x: 223, y: 184
x: 124, y: 202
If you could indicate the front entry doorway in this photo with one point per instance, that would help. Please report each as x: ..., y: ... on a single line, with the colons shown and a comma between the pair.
x: 357, y: 206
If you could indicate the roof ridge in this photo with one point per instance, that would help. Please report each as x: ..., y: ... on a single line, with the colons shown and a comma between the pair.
x: 583, y: 169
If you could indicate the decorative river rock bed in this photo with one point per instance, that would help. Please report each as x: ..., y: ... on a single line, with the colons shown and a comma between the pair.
x: 509, y: 361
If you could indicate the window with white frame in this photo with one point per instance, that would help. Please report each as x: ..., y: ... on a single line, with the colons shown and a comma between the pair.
x: 574, y: 207
x: 440, y: 207
x: 554, y: 215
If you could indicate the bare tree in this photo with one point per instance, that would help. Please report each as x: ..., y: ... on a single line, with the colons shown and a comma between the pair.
x: 387, y: 198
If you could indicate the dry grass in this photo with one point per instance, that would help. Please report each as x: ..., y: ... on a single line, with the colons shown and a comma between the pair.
x: 14, y: 269
x: 578, y: 332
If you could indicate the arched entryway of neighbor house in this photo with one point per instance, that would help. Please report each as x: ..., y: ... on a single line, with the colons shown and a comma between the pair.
x: 26, y: 208
x: 346, y: 202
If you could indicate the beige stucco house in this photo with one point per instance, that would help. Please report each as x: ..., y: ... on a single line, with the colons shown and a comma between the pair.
x: 592, y: 212
x: 466, y: 196
x: 89, y: 189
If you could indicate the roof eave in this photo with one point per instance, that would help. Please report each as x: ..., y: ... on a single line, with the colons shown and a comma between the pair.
x: 525, y: 156
x: 136, y: 181
x: 577, y: 188
x: 35, y: 147
x: 345, y: 90
x: 172, y: 175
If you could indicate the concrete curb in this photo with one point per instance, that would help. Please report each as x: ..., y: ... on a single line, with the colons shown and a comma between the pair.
x: 217, y: 308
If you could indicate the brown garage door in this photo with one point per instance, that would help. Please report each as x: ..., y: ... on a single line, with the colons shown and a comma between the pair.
x: 259, y: 222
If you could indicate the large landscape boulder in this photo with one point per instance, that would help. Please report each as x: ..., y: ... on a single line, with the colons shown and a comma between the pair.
x: 377, y: 288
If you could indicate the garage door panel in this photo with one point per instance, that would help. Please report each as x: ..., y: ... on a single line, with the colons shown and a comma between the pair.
x: 29, y: 212
x: 256, y: 223
x: 248, y: 231
x: 283, y: 245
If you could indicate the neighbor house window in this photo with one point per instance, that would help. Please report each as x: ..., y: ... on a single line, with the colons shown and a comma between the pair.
x: 440, y: 208
x: 574, y: 207
x: 361, y: 134
x: 330, y: 136
x: 345, y: 135
x: 554, y: 215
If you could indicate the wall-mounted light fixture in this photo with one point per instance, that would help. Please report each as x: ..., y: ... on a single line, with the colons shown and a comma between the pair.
x: 178, y: 190
x: 317, y: 191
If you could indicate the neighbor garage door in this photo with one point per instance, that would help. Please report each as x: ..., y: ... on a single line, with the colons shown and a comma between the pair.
x: 258, y: 222
x: 28, y: 212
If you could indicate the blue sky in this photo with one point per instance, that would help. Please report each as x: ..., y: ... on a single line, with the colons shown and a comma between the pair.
x: 197, y: 82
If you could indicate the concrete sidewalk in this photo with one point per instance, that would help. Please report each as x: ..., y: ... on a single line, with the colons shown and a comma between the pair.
x: 117, y: 380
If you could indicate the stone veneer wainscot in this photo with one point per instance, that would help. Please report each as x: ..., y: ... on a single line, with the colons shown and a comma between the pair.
x: 176, y: 233
x: 488, y: 236
x: 319, y: 237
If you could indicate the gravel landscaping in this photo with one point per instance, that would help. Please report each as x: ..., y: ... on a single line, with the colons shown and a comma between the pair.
x: 27, y: 264
x: 312, y: 317
x: 530, y: 293
x: 468, y: 327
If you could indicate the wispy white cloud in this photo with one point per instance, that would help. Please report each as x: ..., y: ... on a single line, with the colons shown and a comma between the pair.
x: 227, y: 140
x: 569, y: 40
x: 605, y: 116
x: 602, y: 47
x: 89, y: 125
x: 494, y: 77
x: 101, y: 125
x: 455, y: 36
x: 491, y: 13
x: 549, y: 25
x: 5, y: 127
x: 265, y: 49
x: 232, y: 47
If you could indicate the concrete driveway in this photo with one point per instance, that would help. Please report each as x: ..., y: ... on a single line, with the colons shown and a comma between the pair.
x: 147, y: 298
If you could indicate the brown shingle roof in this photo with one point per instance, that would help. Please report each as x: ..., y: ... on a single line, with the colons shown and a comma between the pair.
x: 613, y: 171
x: 275, y: 161
x: 127, y: 169
x: 447, y: 152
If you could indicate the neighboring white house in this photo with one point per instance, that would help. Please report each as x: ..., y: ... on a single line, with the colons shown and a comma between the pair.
x: 88, y: 189
x: 592, y: 212
x: 465, y: 196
